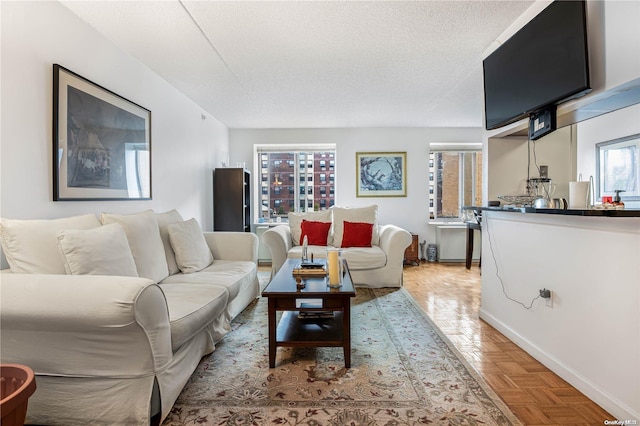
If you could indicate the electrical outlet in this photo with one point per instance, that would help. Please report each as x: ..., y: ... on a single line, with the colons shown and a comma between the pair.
x: 548, y: 301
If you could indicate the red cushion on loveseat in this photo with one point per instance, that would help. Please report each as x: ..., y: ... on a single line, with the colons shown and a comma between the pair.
x: 357, y: 234
x: 317, y: 232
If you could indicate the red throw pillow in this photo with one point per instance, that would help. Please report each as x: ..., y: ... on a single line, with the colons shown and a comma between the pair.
x: 357, y: 234
x: 316, y: 232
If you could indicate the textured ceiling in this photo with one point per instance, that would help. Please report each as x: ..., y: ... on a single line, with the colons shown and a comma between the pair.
x: 315, y: 64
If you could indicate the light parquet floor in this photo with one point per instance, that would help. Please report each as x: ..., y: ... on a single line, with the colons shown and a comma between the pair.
x: 450, y: 295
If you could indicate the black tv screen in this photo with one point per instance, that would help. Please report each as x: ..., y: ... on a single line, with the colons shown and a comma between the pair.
x: 544, y: 63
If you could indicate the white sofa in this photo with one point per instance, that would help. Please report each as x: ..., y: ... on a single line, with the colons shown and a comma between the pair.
x: 114, y: 349
x: 377, y: 265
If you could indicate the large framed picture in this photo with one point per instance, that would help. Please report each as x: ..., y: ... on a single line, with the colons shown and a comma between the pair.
x: 381, y: 174
x: 618, y: 167
x: 101, y: 142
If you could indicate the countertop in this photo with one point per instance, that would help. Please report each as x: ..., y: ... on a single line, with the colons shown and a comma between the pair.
x: 565, y: 212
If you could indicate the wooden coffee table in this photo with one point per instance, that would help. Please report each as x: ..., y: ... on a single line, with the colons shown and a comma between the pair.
x: 317, y: 296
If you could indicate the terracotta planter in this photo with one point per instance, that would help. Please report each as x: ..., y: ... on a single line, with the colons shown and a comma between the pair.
x: 17, y: 384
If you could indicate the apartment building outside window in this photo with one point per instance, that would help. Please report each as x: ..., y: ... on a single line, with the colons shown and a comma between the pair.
x: 455, y: 180
x: 282, y: 168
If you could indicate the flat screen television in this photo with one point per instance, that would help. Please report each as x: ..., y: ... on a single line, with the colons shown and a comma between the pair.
x: 542, y: 65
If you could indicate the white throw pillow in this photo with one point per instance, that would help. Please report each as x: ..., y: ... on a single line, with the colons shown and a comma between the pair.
x: 99, y: 251
x: 295, y: 223
x: 144, y: 239
x: 367, y: 214
x: 164, y: 220
x: 191, y: 249
x: 31, y: 246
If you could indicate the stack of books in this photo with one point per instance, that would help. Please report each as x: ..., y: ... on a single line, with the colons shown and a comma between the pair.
x: 315, y: 315
x: 309, y: 269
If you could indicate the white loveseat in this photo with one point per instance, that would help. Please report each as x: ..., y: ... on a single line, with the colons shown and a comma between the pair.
x: 376, y: 264
x: 108, y: 348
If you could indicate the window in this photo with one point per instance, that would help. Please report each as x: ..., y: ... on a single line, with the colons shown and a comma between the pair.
x: 283, y: 167
x: 455, y: 180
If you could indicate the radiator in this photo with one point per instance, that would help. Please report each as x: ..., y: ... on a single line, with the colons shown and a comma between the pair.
x: 452, y: 243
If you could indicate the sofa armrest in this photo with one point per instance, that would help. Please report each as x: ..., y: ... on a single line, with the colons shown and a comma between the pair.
x: 278, y: 240
x: 84, y: 325
x: 226, y: 245
x: 393, y: 241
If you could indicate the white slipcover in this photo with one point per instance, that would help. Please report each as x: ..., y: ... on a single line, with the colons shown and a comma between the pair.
x: 379, y: 266
x: 100, y: 344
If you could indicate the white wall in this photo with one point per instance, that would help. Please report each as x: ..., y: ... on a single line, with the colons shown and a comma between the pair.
x: 507, y: 162
x: 35, y: 35
x: 614, y: 125
x: 621, y: 42
x: 411, y: 212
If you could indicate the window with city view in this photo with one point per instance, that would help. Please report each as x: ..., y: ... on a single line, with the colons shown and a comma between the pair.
x: 455, y: 180
x: 295, y: 180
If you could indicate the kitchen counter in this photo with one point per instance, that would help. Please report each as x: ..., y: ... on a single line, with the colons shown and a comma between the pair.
x: 590, y: 265
x: 565, y: 212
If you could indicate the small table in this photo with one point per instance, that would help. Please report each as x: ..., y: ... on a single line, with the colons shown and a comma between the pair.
x: 316, y: 296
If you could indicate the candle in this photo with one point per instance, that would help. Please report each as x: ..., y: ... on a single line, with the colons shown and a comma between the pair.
x: 334, y: 267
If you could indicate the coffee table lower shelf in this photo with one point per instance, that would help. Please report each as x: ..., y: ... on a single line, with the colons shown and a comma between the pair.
x: 315, y: 332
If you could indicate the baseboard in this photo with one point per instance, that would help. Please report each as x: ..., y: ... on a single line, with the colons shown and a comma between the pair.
x: 592, y: 391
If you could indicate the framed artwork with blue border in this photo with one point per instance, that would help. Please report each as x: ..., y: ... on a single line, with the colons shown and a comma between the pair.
x: 381, y: 174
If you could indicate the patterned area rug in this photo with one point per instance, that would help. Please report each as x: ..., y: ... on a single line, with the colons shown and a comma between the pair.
x: 404, y: 372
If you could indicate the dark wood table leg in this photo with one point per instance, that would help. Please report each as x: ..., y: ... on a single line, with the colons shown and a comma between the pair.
x: 469, y: 246
x: 272, y: 332
x: 346, y: 331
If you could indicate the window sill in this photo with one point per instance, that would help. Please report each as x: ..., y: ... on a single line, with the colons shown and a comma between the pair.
x: 446, y: 222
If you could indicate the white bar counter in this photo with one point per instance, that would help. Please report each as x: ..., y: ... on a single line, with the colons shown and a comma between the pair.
x: 589, y: 333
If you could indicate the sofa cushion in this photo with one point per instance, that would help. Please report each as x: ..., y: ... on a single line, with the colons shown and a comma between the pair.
x: 144, y: 239
x: 317, y: 233
x: 357, y: 234
x: 354, y: 214
x: 359, y: 258
x: 164, y: 220
x: 31, y: 246
x: 295, y: 222
x: 234, y: 275
x: 192, y: 308
x: 99, y: 251
x: 188, y: 243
